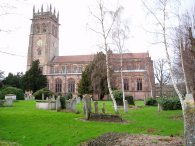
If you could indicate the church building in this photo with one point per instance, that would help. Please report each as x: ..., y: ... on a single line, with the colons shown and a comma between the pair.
x: 64, y: 72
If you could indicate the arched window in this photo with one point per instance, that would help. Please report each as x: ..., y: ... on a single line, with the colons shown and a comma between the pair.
x: 58, y: 85
x: 71, y: 86
x: 44, y: 28
x: 139, y: 84
x: 126, y: 84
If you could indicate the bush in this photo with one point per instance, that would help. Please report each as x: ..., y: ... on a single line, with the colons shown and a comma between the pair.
x: 118, y: 95
x: 169, y: 103
x: 151, y: 101
x: 130, y: 100
x: 12, y: 90
x: 68, y: 96
x: 63, y: 102
x: 38, y: 94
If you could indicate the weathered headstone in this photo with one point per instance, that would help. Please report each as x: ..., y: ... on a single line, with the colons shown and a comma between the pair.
x: 9, y: 101
x: 73, y: 104
x: 96, y: 106
x: 103, y: 108
x: 78, y: 99
x: 68, y: 104
x: 42, y: 96
x: 87, y: 104
x: 58, y: 104
x: 159, y: 108
x: 126, y: 106
x: 53, y: 97
x: 12, y: 96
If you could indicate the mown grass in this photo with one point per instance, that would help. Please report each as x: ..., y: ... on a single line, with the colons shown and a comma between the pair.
x: 25, y: 125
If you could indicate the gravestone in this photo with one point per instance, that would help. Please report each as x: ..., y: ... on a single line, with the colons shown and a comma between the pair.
x: 42, y: 96
x: 9, y: 101
x: 126, y: 106
x: 73, y: 104
x: 68, y: 104
x: 159, y: 108
x: 87, y: 104
x: 58, y: 103
x: 53, y: 97
x: 12, y: 96
x: 78, y: 99
x: 96, y: 106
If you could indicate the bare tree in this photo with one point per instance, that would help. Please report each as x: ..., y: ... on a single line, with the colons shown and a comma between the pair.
x: 119, y: 36
x: 106, y: 20
x: 162, y: 17
x: 161, y: 74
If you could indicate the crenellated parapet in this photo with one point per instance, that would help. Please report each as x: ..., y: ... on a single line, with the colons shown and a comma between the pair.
x: 48, y: 13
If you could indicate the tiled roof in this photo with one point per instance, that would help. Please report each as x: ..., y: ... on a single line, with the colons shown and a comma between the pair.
x: 73, y: 59
x: 88, y: 58
x: 132, y: 55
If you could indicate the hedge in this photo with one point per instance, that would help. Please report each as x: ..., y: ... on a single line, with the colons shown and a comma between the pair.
x: 12, y: 90
x: 169, y: 103
x: 45, y: 91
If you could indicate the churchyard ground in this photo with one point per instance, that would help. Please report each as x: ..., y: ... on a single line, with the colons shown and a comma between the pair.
x: 23, y: 124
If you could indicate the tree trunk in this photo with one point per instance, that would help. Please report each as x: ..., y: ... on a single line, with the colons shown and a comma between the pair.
x: 122, y: 83
x: 109, y: 85
x: 184, y: 71
x: 189, y: 123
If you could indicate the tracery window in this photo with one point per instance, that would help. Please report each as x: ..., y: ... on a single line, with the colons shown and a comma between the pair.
x: 58, y: 85
x: 139, y: 84
x: 71, y: 86
x: 126, y: 84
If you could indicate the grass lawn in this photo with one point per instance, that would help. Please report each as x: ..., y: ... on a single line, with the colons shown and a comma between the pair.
x: 25, y: 125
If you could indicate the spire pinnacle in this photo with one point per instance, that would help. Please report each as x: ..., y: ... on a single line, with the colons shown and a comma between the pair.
x: 42, y: 9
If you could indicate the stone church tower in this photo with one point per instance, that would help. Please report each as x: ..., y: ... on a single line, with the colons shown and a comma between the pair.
x: 44, y: 38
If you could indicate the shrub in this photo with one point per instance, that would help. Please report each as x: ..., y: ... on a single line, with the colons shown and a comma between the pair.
x: 38, y: 94
x: 68, y: 96
x: 169, y: 103
x: 130, y: 99
x: 151, y: 101
x: 63, y: 102
x: 118, y: 95
x: 12, y: 90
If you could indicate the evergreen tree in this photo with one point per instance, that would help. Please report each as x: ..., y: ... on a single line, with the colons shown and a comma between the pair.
x: 33, y: 78
x: 84, y: 86
x: 94, y: 78
x: 13, y: 80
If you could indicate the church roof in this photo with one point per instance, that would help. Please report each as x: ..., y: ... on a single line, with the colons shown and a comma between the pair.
x: 73, y: 59
x: 88, y: 58
x: 132, y: 55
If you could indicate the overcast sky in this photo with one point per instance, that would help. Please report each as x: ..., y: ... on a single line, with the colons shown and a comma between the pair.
x: 75, y: 36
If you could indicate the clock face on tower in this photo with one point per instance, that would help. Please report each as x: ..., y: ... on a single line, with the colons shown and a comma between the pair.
x: 39, y: 43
